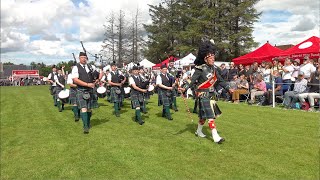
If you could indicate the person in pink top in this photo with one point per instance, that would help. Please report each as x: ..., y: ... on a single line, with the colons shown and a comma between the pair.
x: 259, y: 88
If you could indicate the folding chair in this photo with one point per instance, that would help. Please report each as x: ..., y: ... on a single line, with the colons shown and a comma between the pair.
x: 189, y: 92
x: 246, y: 97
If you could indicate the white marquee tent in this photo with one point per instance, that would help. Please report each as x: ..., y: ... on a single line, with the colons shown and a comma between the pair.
x: 146, y: 64
x: 188, y: 60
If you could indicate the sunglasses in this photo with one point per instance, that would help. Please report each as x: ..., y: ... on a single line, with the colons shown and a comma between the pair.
x: 209, y: 55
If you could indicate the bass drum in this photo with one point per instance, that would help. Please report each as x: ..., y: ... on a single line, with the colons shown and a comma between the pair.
x: 64, y: 96
x: 102, y: 92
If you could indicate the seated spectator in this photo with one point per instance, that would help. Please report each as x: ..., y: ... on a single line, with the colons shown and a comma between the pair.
x: 233, y: 85
x: 278, y: 88
x: 313, y: 93
x: 259, y: 88
x: 267, y: 74
x: 242, y: 87
x: 300, y: 86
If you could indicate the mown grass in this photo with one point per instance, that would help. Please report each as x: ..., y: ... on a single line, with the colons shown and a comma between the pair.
x: 38, y: 142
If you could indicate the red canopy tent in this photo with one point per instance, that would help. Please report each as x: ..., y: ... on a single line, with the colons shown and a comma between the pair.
x: 158, y: 66
x: 264, y: 53
x: 309, y: 47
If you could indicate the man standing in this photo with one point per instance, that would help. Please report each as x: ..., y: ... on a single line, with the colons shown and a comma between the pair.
x: 52, y: 78
x: 115, y: 82
x: 165, y: 91
x: 73, y: 96
x: 83, y: 76
x: 61, y: 82
x: 287, y: 71
x: 172, y: 73
x: 207, y: 77
x: 145, y: 83
x: 307, y: 68
x: 137, y: 91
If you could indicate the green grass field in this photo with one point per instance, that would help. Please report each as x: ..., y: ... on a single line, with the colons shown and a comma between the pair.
x: 38, y: 142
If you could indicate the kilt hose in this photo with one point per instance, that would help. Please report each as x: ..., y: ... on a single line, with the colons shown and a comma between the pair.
x: 136, y: 100
x: 73, y: 96
x: 90, y: 103
x: 114, y: 97
x: 206, y: 109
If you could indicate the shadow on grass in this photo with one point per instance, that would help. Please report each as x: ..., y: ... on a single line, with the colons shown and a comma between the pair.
x: 102, y: 104
x: 96, y: 122
x: 67, y: 108
x: 191, y: 128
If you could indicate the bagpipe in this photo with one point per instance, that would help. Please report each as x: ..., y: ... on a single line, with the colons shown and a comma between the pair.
x: 94, y: 74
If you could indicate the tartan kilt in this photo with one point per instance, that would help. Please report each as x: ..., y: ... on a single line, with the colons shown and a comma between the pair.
x: 82, y: 103
x: 57, y: 90
x: 136, y: 100
x: 73, y: 96
x: 114, y: 97
x: 163, y: 98
x: 147, y: 95
x: 205, y: 110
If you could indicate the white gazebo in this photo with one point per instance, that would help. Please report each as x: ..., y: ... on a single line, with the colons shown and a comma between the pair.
x: 146, y: 64
x: 186, y: 61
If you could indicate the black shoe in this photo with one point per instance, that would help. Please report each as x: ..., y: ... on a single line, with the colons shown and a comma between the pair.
x: 86, y: 131
x: 221, y: 141
x: 62, y: 107
x: 176, y: 110
x: 169, y: 118
x: 60, y: 110
x: 76, y: 119
x: 141, y: 122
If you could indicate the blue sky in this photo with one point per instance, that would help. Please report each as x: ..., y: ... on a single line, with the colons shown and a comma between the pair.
x: 49, y: 30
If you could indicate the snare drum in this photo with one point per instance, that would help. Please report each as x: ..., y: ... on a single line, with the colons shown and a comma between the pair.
x: 151, y: 88
x: 64, y: 96
x: 127, y: 90
x: 102, y: 92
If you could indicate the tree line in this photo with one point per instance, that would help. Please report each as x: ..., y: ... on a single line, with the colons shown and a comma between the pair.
x: 123, y: 41
x: 179, y: 25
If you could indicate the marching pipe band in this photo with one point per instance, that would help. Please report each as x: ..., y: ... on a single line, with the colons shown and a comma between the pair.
x: 88, y: 83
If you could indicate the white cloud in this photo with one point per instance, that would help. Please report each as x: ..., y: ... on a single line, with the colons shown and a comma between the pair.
x: 43, y: 47
x: 13, y: 41
x: 288, y: 22
x: 48, y: 30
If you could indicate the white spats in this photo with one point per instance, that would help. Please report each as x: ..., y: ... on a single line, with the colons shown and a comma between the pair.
x: 199, y: 131
x: 215, y: 135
